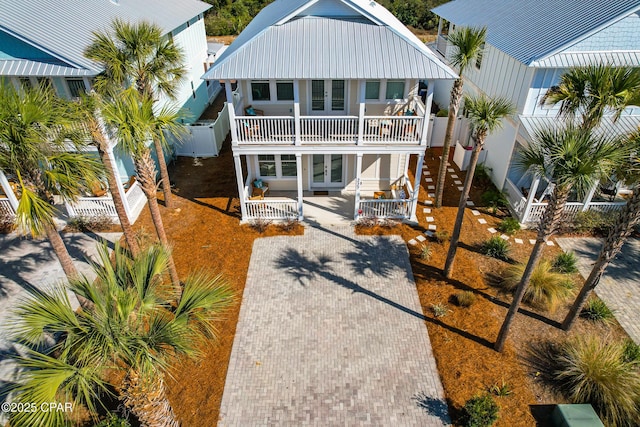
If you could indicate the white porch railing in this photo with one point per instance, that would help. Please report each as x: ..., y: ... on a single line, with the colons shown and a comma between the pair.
x: 334, y: 129
x: 517, y: 201
x: 536, y: 210
x: 272, y: 209
x: 136, y: 200
x: 385, y: 208
x: 5, y: 207
x: 95, y: 206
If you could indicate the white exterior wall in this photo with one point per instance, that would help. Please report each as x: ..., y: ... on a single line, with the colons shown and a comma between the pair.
x: 499, y: 147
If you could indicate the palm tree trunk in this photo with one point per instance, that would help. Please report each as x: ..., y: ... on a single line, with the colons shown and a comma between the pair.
x: 455, y: 236
x: 548, y: 226
x: 101, y: 144
x: 454, y: 105
x: 147, y: 175
x: 65, y: 260
x: 148, y: 401
x: 164, y: 173
x: 629, y: 217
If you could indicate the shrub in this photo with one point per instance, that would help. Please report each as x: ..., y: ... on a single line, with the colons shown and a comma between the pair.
x: 465, y: 298
x: 113, y: 421
x: 501, y: 390
x: 442, y: 236
x: 440, y: 310
x: 493, y: 199
x: 596, y: 310
x: 588, y: 369
x: 260, y: 224
x: 631, y: 352
x: 425, y: 252
x: 591, y: 221
x: 496, y: 247
x: 442, y: 113
x: 546, y: 290
x: 480, y: 411
x: 288, y: 224
x: 90, y: 223
x: 482, y: 176
x: 566, y: 262
x: 509, y: 225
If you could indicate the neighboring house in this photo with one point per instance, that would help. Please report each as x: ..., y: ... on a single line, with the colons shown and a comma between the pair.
x: 323, y: 97
x: 43, y: 42
x: 530, y: 44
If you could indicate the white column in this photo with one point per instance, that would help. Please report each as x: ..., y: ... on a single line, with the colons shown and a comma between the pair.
x: 238, y: 164
x: 296, y: 111
x: 589, y: 196
x: 299, y: 182
x: 87, y: 84
x: 530, y: 197
x: 356, y: 214
x: 427, y: 114
x: 416, y: 187
x: 121, y: 190
x: 232, y: 113
x: 6, y: 187
x: 362, y: 95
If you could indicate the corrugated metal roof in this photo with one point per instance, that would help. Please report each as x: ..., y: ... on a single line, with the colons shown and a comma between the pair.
x: 625, y: 125
x: 579, y: 59
x: 530, y: 30
x: 25, y: 68
x: 64, y: 28
x: 323, y: 47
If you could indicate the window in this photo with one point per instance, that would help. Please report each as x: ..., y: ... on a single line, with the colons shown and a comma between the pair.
x: 260, y: 91
x: 76, y: 87
x: 395, y: 89
x: 193, y: 91
x: 267, y: 164
x: 372, y: 90
x: 337, y: 95
x: 479, y: 56
x: 284, y: 91
x: 288, y: 164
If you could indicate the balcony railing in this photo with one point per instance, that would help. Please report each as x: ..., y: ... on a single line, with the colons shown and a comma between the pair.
x: 400, y: 130
x: 272, y: 209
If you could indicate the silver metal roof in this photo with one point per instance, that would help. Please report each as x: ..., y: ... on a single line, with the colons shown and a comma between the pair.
x: 25, y: 68
x: 63, y: 29
x: 625, y: 125
x: 325, y: 47
x: 579, y: 59
x: 530, y: 30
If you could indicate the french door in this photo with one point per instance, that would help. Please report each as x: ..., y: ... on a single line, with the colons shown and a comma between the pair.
x: 327, y: 170
x: 328, y: 97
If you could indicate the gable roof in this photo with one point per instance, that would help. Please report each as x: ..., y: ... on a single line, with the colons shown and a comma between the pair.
x: 63, y: 29
x: 531, y: 30
x: 284, y: 42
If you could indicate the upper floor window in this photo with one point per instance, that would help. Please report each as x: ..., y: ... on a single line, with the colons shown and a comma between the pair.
x: 372, y: 90
x: 260, y: 91
x: 479, y: 56
x: 395, y: 89
x: 284, y: 91
x: 76, y: 87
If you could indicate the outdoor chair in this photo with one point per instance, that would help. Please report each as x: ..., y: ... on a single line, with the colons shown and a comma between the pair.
x: 250, y: 111
x: 259, y: 189
x: 130, y: 183
x: 98, y: 189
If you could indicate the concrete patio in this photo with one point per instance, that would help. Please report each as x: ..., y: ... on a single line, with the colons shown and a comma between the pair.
x: 331, y: 332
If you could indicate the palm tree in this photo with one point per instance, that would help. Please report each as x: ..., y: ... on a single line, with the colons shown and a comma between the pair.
x: 90, y: 108
x: 593, y: 90
x: 136, y: 325
x: 133, y: 121
x: 628, y: 218
x: 33, y: 148
x: 139, y: 54
x: 468, y: 43
x: 485, y: 115
x: 571, y: 158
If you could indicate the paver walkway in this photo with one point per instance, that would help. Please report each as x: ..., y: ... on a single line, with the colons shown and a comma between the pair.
x: 331, y: 332
x: 618, y: 288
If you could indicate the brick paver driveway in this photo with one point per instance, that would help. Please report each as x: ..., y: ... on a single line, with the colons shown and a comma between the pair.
x: 331, y: 332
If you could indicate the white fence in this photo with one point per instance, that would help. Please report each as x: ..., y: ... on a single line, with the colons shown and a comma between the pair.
x: 103, y: 206
x: 272, y: 209
x: 205, y: 138
x: 385, y: 208
x: 5, y: 207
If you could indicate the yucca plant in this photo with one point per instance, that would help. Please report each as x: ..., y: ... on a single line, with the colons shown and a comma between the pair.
x: 496, y: 247
x: 547, y: 289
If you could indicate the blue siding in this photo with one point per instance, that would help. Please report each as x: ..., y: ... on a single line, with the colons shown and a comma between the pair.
x: 193, y: 108
x: 12, y: 48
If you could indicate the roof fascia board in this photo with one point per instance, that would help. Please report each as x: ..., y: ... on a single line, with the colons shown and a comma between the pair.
x: 586, y: 35
x: 42, y: 48
x: 347, y: 3
x: 295, y: 13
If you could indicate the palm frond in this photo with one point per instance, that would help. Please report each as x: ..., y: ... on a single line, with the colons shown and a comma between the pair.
x: 468, y: 43
x: 34, y: 214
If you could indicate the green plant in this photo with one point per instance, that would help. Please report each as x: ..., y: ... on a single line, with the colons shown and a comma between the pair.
x: 482, y: 176
x: 509, y: 225
x: 480, y: 411
x: 496, y: 247
x: 590, y: 222
x: 442, y: 236
x: 546, y: 290
x: 425, y: 252
x: 90, y: 223
x: 440, y: 310
x: 501, y: 390
x: 592, y: 370
x: 493, y: 200
x: 442, y: 113
x: 596, y: 310
x: 566, y: 262
x: 631, y: 352
x: 465, y: 298
x: 113, y: 421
